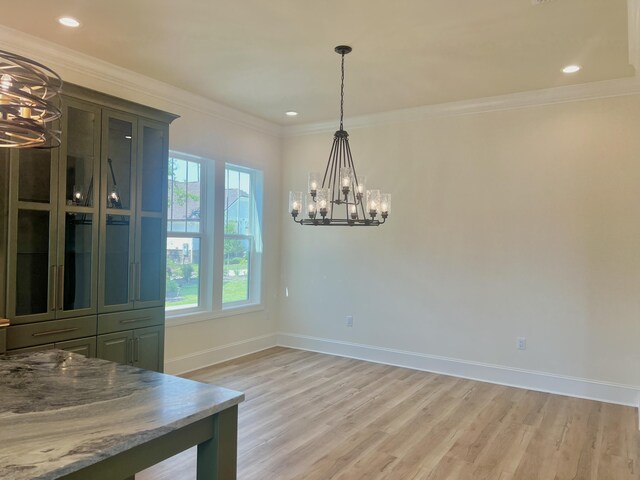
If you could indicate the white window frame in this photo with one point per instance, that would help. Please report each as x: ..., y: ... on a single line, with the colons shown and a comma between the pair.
x: 206, y: 239
x: 212, y: 205
x: 255, y: 238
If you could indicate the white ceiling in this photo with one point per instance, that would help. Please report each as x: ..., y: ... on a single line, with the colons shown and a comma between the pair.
x: 267, y: 57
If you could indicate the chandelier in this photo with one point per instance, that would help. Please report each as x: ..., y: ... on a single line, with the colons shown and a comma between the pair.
x: 29, y: 96
x: 340, y: 197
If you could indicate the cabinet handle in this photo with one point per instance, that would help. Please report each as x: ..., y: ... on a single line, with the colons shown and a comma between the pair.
x: 60, y: 287
x: 130, y: 351
x: 136, y: 349
x: 134, y: 320
x: 53, y: 278
x: 138, y: 279
x: 55, y: 332
x: 133, y: 283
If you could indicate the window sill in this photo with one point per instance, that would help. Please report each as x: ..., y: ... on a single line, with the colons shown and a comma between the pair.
x: 175, y: 319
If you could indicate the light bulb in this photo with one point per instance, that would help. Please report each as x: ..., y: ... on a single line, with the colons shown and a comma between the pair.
x: 6, y: 81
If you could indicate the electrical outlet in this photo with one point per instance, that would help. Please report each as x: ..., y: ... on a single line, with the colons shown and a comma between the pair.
x: 349, y: 320
x: 521, y: 343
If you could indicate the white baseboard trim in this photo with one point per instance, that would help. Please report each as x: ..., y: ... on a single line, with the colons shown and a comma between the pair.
x: 513, y: 377
x: 223, y: 353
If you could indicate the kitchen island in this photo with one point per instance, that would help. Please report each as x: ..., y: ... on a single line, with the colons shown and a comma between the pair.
x: 65, y: 416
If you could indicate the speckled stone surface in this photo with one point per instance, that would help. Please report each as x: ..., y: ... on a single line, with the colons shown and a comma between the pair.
x: 60, y: 411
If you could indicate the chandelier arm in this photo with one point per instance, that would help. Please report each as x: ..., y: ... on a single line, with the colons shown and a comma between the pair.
x: 354, y: 190
x: 334, y: 174
x: 329, y: 162
x: 362, y: 203
x: 345, y: 163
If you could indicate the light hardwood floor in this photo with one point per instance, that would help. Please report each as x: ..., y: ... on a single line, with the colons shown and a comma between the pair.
x: 317, y: 417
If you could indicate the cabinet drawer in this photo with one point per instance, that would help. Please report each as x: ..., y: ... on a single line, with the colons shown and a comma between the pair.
x: 39, y: 348
x: 117, y: 322
x: 82, y: 346
x: 41, y: 333
x: 3, y: 340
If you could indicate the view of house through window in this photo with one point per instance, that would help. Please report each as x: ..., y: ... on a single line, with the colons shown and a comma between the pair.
x: 241, y: 223
x: 184, y: 234
x: 191, y: 276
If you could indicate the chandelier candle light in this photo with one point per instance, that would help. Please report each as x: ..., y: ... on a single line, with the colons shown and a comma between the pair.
x: 29, y: 98
x: 340, y: 197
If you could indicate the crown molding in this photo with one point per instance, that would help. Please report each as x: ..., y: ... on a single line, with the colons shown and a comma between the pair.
x: 82, y: 69
x: 94, y: 73
x: 534, y: 98
x: 634, y: 34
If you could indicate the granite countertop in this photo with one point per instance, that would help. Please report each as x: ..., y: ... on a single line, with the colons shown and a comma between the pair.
x: 60, y: 411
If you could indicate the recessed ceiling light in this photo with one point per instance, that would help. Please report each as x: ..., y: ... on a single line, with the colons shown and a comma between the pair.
x: 571, y: 69
x: 291, y: 113
x: 69, y: 22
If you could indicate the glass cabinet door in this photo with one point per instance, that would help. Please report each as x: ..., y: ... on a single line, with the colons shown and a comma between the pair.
x: 117, y: 208
x: 151, y: 228
x: 78, y: 210
x: 32, y: 265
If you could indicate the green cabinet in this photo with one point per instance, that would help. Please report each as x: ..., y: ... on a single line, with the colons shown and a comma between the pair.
x: 85, y: 234
x: 83, y: 346
x: 116, y: 347
x: 52, y: 229
x: 134, y: 176
x: 141, y: 348
x: 148, y: 347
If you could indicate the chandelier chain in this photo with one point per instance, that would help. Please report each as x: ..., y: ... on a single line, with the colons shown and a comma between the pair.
x: 342, y: 94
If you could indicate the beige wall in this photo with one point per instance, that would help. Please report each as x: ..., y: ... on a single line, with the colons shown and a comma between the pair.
x: 504, y: 224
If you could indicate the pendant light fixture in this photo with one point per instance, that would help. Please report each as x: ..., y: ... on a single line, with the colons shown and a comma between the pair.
x: 29, y: 98
x: 340, y: 197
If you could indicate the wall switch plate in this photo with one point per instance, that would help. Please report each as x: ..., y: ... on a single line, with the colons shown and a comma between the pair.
x: 349, y: 320
x: 521, y: 343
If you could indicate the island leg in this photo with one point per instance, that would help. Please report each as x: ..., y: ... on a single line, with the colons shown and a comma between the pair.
x: 217, y: 457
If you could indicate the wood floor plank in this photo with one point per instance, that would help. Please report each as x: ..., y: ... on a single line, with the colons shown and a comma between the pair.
x: 310, y: 416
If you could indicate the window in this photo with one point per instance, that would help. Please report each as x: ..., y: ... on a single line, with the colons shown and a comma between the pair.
x: 214, y: 238
x: 185, y: 231
x: 242, y: 236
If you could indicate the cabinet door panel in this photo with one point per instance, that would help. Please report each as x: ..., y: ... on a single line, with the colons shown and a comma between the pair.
x: 116, y: 347
x: 78, y: 274
x: 117, y: 266
x: 83, y: 346
x: 32, y: 256
x: 151, y: 278
x: 117, y: 212
x: 151, y: 214
x: 79, y: 162
x: 78, y: 211
x: 34, y: 177
x: 148, y: 347
x: 153, y: 167
x: 120, y: 162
